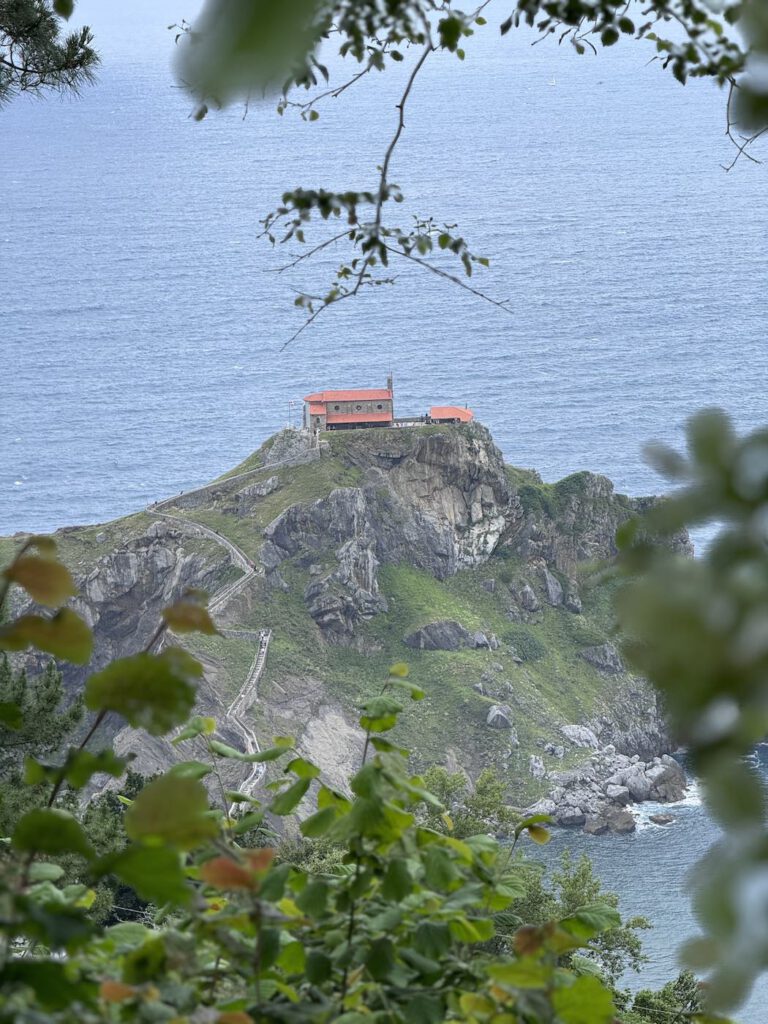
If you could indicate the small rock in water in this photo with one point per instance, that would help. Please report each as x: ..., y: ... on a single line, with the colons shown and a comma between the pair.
x: 661, y: 819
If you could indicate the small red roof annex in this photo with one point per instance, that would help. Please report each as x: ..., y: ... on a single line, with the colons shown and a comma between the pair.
x: 451, y: 412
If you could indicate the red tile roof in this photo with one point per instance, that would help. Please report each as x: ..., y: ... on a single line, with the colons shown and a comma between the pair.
x: 359, y: 417
x: 451, y: 412
x: 317, y: 408
x: 353, y: 395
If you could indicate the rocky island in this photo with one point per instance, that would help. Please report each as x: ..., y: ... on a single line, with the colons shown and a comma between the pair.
x: 329, y: 562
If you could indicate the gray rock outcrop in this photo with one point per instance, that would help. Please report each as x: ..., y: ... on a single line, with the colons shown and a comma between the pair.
x: 553, y: 588
x: 598, y: 794
x: 605, y: 658
x: 445, y: 635
x: 499, y: 716
x: 580, y: 736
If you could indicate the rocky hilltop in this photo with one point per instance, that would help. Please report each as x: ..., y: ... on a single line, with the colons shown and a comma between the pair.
x: 416, y: 545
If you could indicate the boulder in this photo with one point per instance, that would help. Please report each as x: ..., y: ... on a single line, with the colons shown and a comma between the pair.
x: 499, y: 717
x: 536, y: 767
x: 667, y: 781
x: 610, y: 819
x: 552, y: 588
x: 445, y: 635
x: 489, y: 585
x: 618, y: 795
x: 479, y: 688
x: 661, y: 819
x: 638, y: 785
x: 570, y: 817
x: 604, y: 658
x: 580, y: 736
x: 544, y: 806
x: 554, y: 750
x: 526, y: 595
x: 572, y: 601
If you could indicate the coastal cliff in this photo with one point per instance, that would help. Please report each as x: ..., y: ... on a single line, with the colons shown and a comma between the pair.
x: 381, y: 546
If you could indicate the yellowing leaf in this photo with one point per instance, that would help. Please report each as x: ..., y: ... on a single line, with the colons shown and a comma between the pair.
x: 64, y: 636
x: 538, y: 834
x: 400, y: 670
x: 226, y: 873
x: 44, y: 579
x: 172, y: 810
x: 234, y: 1017
x: 189, y: 617
x: 115, y: 991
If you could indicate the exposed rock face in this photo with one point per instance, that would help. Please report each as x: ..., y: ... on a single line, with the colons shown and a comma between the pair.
x: 500, y: 717
x: 441, y: 504
x: 348, y: 595
x: 122, y: 596
x: 440, y: 636
x: 552, y: 587
x: 580, y: 736
x: 251, y: 494
x: 604, y: 658
x: 580, y: 524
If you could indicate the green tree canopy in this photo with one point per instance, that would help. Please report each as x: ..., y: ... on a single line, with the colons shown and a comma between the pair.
x: 35, y: 56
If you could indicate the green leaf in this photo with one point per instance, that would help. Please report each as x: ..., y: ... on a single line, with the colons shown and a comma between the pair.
x: 475, y: 929
x: 290, y: 798
x: 591, y: 919
x: 64, y: 8
x: 196, y: 726
x: 449, y: 31
x: 50, y: 830
x: 52, y: 982
x: 64, y: 636
x: 587, y: 1001
x: 44, y: 871
x: 10, y: 715
x: 304, y: 769
x: 313, y: 899
x: 318, y: 824
x: 380, y: 960
x: 318, y: 968
x: 187, y: 616
x: 81, y: 766
x: 609, y: 36
x: 191, y: 770
x: 523, y: 973
x: 432, y: 939
x: 397, y: 882
x: 152, y: 692
x: 155, y: 872
x: 171, y: 810
x: 45, y: 580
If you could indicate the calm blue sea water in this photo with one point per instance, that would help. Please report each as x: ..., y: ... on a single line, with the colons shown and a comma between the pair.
x: 141, y: 329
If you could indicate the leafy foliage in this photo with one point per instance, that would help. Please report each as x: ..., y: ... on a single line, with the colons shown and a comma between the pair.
x: 698, y: 630
x: 34, y: 56
x: 40, y: 725
x: 394, y: 926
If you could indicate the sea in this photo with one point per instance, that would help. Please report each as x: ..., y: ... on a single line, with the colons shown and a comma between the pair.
x: 144, y: 322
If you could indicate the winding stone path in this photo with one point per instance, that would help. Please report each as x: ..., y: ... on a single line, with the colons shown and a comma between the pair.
x: 248, y: 692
